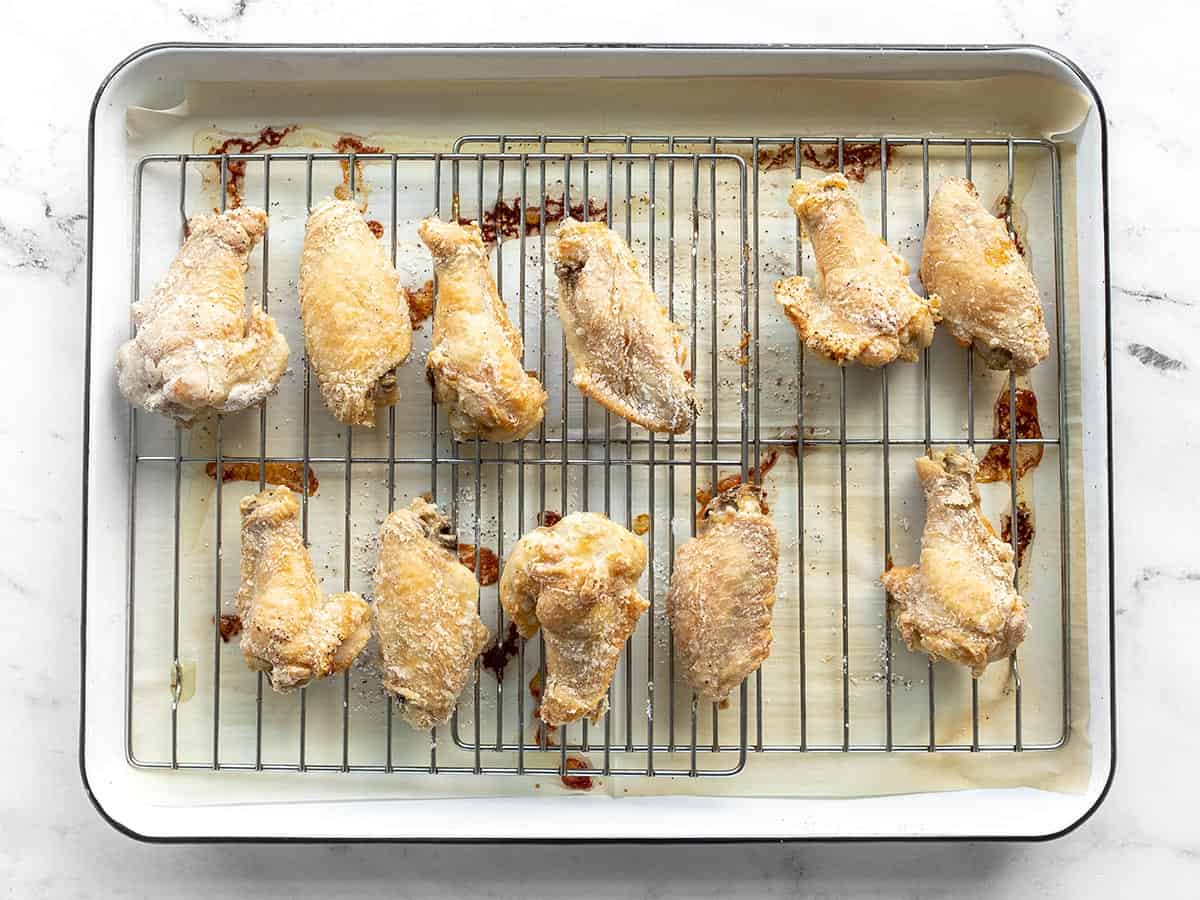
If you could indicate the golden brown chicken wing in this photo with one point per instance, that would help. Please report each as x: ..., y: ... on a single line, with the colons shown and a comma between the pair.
x: 628, y: 354
x: 959, y: 603
x: 577, y: 580
x: 425, y: 614
x: 475, y: 363
x: 987, y: 293
x: 864, y: 310
x: 195, y: 350
x: 289, y: 630
x: 356, y: 324
x: 722, y: 593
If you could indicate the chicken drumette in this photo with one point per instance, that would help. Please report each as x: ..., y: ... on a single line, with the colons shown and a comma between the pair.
x: 987, y: 294
x: 289, y: 629
x: 356, y: 324
x: 577, y: 580
x: 195, y: 350
x: 863, y: 310
x: 959, y: 603
x: 475, y: 363
x: 722, y: 593
x: 425, y: 614
x: 628, y: 354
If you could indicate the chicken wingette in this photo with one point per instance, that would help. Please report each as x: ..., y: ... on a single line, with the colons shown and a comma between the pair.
x: 988, y: 298
x: 195, y: 350
x: 722, y: 593
x: 628, y: 354
x: 356, y: 323
x: 475, y: 362
x: 959, y: 603
x: 863, y: 309
x: 290, y: 630
x: 426, y: 614
x: 577, y: 581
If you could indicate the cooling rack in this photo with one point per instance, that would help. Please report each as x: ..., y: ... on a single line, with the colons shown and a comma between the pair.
x: 700, y: 212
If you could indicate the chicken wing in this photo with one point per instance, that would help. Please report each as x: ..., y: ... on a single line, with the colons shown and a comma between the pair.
x: 864, y: 310
x: 195, y: 349
x: 987, y: 293
x: 577, y: 580
x: 959, y: 603
x: 628, y: 354
x: 475, y: 364
x: 425, y: 614
x: 722, y: 593
x: 289, y: 630
x: 356, y: 324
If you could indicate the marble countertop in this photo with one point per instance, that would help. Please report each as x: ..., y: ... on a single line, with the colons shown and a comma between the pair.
x: 1145, y: 839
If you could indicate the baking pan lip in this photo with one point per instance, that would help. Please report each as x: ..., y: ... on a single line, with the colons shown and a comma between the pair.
x: 1059, y: 58
x: 589, y: 45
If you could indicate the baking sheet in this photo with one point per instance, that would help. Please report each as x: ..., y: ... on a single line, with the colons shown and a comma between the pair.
x: 773, y: 774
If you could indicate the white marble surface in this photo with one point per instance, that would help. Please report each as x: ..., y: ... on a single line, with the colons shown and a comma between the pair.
x: 1146, y: 839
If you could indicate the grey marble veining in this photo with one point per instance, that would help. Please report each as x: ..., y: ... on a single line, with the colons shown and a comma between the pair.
x: 1144, y: 841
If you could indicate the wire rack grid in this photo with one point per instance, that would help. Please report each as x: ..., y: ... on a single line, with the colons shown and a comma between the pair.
x: 706, y: 243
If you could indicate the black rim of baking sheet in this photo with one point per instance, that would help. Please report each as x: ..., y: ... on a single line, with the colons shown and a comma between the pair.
x: 87, y: 384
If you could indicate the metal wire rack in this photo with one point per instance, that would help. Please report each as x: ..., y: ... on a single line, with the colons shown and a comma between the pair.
x: 695, y: 206
x: 969, y: 148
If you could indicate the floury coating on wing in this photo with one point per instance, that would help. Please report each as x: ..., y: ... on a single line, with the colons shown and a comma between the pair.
x: 475, y: 363
x: 628, y: 354
x: 290, y: 630
x: 426, y: 614
x: 863, y: 309
x: 577, y: 581
x: 356, y: 324
x: 959, y: 603
x: 195, y: 350
x: 988, y: 298
x: 722, y: 593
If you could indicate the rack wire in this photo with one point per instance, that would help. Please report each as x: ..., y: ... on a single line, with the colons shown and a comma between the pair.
x: 573, y: 451
x: 694, y: 206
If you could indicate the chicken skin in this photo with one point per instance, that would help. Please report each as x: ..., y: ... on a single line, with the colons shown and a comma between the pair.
x: 628, y: 354
x: 356, y: 324
x: 959, y: 603
x: 195, y: 350
x: 289, y: 630
x: 475, y: 364
x: 425, y: 614
x: 577, y: 580
x: 864, y: 310
x: 722, y: 593
x: 987, y: 294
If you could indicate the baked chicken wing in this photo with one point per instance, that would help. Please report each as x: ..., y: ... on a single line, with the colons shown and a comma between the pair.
x: 987, y: 293
x: 722, y: 593
x: 356, y: 324
x: 425, y: 614
x: 195, y: 349
x: 289, y: 629
x: 475, y: 363
x: 577, y: 580
x: 628, y: 354
x: 959, y: 603
x: 863, y: 310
